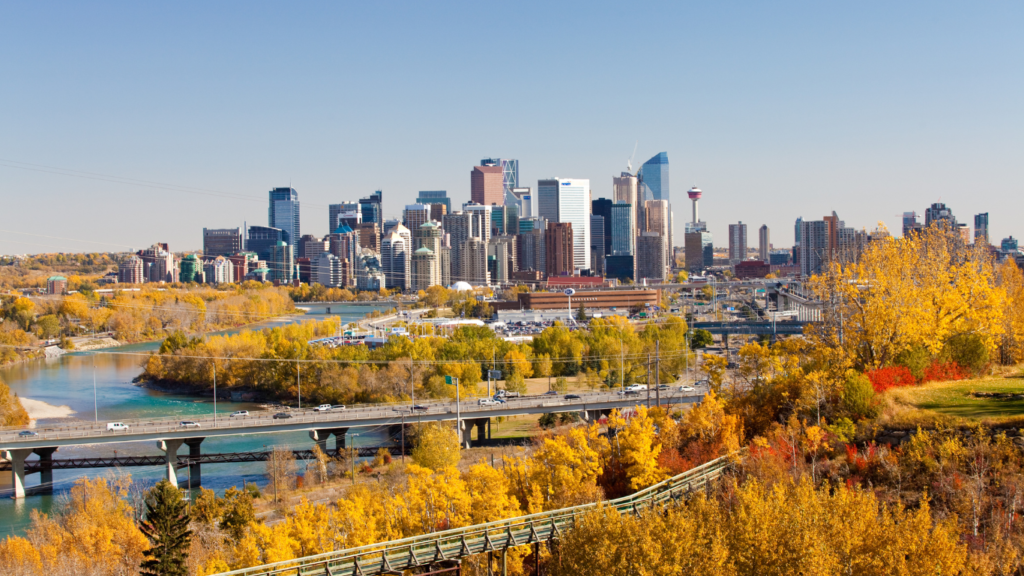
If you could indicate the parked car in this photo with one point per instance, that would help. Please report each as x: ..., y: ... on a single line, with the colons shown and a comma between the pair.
x: 323, y: 408
x: 572, y: 396
x: 117, y: 427
x: 237, y: 413
x: 282, y: 415
x: 488, y: 402
x: 28, y: 433
x: 188, y: 424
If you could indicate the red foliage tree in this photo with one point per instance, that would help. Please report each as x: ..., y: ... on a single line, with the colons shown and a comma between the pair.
x: 891, y: 377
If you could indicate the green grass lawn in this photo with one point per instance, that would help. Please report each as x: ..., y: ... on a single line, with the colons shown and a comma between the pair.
x: 955, y: 399
x: 515, y: 427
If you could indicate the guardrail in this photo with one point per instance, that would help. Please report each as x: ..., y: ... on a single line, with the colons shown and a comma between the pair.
x: 399, y: 555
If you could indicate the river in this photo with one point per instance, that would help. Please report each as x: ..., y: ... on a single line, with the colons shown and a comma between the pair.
x: 68, y: 381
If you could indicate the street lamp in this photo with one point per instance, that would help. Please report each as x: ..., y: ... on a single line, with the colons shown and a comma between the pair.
x: 569, y: 292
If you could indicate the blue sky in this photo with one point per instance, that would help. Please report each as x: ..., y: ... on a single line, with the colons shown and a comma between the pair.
x: 776, y: 110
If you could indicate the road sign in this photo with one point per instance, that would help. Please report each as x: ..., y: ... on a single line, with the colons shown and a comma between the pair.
x: 494, y: 374
x: 447, y: 379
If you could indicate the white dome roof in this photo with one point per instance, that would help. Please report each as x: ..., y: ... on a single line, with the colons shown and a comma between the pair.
x: 461, y: 286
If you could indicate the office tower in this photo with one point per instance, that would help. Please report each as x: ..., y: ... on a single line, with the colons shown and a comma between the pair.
x: 130, y: 271
x: 530, y: 250
x: 699, y: 251
x: 526, y: 201
x: 695, y: 195
x: 284, y: 214
x: 435, y: 197
x: 344, y: 213
x: 473, y: 268
x: 737, y: 242
x: 458, y: 227
x: 653, y: 179
x: 344, y: 244
x: 437, y: 211
x: 561, y: 249
x: 937, y: 213
x: 326, y: 270
x: 534, y: 223
x: 659, y: 220
x: 981, y: 228
x: 486, y: 185
x: 498, y: 223
x: 509, y: 173
x: 623, y: 227
x: 191, y: 270
x: 221, y: 241
x: 301, y: 249
x: 625, y: 191
x: 814, y: 246
x: 597, y: 244
x: 778, y: 257
x: 262, y: 238
x: 479, y: 221
x: 1008, y: 244
x: 505, y: 219
x: 158, y: 264
x: 281, y: 263
x: 620, y: 267
x: 910, y: 223
x: 502, y: 251
x: 370, y: 208
x: 764, y: 245
x: 603, y: 207
x: 312, y: 247
x: 964, y: 231
x: 369, y: 236
x: 415, y: 215
x: 651, y: 263
x: 218, y: 271
x: 567, y: 200
x: 395, y: 253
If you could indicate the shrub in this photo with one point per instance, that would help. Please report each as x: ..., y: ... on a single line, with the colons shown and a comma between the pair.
x: 859, y: 397
x: 916, y: 359
x: 968, y: 351
x: 891, y: 377
x: 945, y: 371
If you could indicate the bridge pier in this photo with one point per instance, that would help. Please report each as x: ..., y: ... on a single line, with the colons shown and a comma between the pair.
x: 170, y: 450
x: 320, y: 437
x: 45, y: 469
x: 195, y: 477
x: 17, y: 459
x: 482, y: 425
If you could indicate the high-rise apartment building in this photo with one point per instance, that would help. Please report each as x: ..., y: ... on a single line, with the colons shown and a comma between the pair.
x: 651, y: 263
x: 158, y: 264
x: 473, y: 267
x: 981, y: 228
x: 486, y: 185
x: 218, y: 270
x: 435, y: 197
x: 764, y: 245
x: 437, y: 211
x: 567, y: 200
x: 597, y: 244
x: 326, y: 270
x: 530, y: 250
x: 660, y: 221
x: 737, y: 242
x: 560, y: 247
x: 130, y: 271
x: 501, y: 250
x: 814, y: 246
x: 284, y: 214
x: 424, y: 269
x: 369, y: 235
x: 312, y: 247
x: 415, y: 215
x: 191, y: 270
x: 623, y: 227
x: 938, y: 212
x: 700, y: 251
x: 395, y: 255
x: 222, y: 241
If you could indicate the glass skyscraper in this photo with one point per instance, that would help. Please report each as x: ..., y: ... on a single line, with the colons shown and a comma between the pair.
x: 284, y: 213
x: 509, y: 173
x: 653, y: 177
x: 568, y: 200
x: 435, y: 197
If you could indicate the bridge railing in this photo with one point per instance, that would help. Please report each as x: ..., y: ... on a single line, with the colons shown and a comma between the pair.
x: 455, y: 544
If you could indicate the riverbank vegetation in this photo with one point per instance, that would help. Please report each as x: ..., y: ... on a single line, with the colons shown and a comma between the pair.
x: 12, y: 413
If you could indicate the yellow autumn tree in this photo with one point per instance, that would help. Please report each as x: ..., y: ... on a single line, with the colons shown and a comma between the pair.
x: 638, y: 447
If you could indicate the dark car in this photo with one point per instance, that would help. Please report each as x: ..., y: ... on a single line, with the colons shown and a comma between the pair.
x: 28, y: 433
x: 419, y: 407
x: 630, y: 393
x: 551, y: 393
x: 282, y: 415
x: 572, y: 396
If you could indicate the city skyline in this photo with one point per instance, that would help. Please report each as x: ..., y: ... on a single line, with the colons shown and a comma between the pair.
x: 843, y: 127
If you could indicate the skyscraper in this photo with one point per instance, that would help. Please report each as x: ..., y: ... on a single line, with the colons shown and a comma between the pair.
x: 222, y: 241
x: 262, y: 239
x: 938, y: 212
x: 981, y: 228
x: 597, y: 244
x: 651, y: 264
x: 527, y: 202
x: 658, y: 220
x: 568, y: 200
x: 623, y: 229
x: 473, y: 268
x: 486, y: 185
x: 435, y: 197
x: 699, y: 251
x: 737, y: 242
x: 530, y: 250
x: 509, y: 173
x: 347, y: 212
x: 764, y: 245
x: 281, y: 262
x: 814, y: 246
x: 603, y: 207
x: 560, y: 248
x: 415, y: 215
x: 653, y: 177
x: 624, y: 190
x: 910, y: 223
x: 284, y: 213
x: 370, y: 208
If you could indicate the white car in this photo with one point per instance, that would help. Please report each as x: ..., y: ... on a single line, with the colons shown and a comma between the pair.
x: 117, y: 427
x: 636, y: 388
x: 488, y: 402
x: 188, y: 424
x: 687, y: 389
x: 323, y: 408
x: 239, y: 413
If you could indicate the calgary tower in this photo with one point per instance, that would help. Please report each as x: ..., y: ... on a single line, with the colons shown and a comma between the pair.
x: 695, y: 194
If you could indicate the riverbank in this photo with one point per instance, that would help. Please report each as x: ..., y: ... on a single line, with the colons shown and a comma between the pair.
x: 39, y: 410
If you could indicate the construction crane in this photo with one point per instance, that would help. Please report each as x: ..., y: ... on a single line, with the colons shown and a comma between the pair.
x: 629, y: 163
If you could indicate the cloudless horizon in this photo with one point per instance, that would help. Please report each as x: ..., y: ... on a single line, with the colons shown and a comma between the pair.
x: 775, y: 110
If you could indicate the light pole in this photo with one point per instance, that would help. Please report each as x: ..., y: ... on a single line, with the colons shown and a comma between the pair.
x: 569, y: 292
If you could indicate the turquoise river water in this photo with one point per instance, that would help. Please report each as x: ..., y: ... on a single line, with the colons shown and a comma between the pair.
x: 68, y: 381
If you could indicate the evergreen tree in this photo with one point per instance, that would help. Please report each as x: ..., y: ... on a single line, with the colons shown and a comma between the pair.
x: 581, y: 316
x: 166, y: 527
